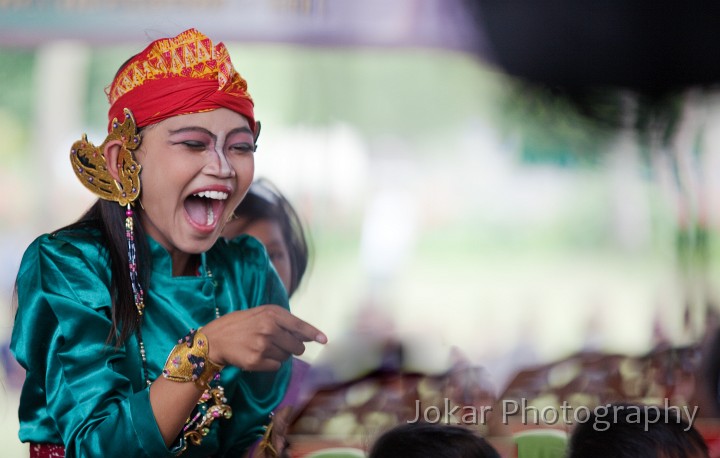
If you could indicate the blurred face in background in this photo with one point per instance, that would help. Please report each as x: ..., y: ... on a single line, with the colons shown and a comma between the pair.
x: 269, y: 233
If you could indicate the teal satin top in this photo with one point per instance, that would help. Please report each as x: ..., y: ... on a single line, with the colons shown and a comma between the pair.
x: 84, y: 393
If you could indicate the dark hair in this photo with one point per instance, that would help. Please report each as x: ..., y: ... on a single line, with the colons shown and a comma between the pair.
x: 420, y: 440
x: 626, y: 431
x: 265, y: 202
x: 107, y: 219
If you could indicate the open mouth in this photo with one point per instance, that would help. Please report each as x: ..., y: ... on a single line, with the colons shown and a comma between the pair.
x: 205, y: 207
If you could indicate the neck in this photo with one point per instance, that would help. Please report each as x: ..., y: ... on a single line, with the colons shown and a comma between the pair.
x: 184, y: 264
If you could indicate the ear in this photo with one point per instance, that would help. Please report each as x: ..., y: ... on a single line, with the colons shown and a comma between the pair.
x: 111, y: 151
x: 257, y: 133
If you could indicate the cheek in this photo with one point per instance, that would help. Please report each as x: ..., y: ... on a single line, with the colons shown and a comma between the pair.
x: 284, y: 270
x: 244, y: 167
x: 286, y: 267
x: 161, y: 187
x: 154, y: 184
x: 284, y: 274
x: 244, y: 174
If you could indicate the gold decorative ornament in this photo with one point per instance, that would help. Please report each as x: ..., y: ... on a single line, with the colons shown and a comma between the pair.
x: 89, y: 164
x: 189, y: 361
x: 198, y: 426
x: 266, y: 447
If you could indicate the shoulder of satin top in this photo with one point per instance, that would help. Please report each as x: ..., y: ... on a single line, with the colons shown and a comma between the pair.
x: 82, y: 245
x: 64, y: 270
x: 243, y: 248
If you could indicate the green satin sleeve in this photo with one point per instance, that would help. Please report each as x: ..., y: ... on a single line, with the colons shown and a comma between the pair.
x: 72, y: 395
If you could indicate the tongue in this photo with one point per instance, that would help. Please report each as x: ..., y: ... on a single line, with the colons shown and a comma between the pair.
x: 200, y: 210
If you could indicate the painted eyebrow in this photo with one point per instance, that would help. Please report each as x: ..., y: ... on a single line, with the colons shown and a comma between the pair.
x: 237, y: 130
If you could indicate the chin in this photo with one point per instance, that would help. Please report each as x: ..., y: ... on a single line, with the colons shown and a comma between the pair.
x: 200, y: 245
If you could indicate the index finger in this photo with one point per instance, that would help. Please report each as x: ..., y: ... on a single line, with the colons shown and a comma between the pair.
x: 302, y: 330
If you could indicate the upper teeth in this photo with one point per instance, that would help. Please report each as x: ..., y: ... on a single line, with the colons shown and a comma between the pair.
x: 218, y: 195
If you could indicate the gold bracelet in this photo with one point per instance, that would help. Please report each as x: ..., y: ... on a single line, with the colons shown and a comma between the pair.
x: 189, y: 361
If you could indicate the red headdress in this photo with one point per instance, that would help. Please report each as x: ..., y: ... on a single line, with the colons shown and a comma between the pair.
x: 180, y: 75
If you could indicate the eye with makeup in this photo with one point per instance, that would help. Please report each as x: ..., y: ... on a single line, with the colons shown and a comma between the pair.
x: 191, y: 141
x: 242, y: 148
x: 196, y: 139
x: 193, y: 145
x: 241, y: 144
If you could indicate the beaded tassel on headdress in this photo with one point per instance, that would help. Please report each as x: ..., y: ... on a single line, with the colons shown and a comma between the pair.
x: 138, y: 294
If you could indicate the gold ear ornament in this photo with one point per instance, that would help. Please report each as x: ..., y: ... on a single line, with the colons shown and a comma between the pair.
x: 89, y: 164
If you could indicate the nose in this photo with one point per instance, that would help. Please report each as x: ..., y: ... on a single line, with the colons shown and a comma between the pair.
x: 219, y: 165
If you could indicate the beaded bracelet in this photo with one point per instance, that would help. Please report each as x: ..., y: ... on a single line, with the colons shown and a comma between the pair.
x: 189, y: 361
x: 198, y: 425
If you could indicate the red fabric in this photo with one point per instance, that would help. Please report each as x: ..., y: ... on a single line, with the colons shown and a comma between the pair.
x: 184, y: 74
x: 163, y: 98
x: 47, y: 451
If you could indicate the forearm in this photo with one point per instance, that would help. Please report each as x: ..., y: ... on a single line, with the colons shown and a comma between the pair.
x: 172, y: 404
